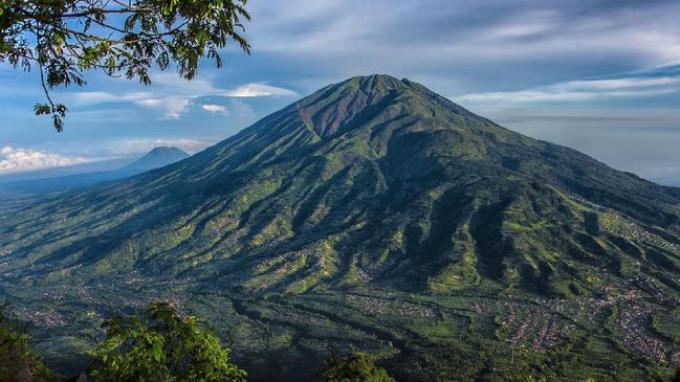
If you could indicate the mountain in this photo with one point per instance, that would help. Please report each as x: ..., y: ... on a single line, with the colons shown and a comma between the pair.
x: 372, y: 215
x: 156, y: 158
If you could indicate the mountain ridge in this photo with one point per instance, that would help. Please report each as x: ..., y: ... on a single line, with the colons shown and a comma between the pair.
x: 369, y: 201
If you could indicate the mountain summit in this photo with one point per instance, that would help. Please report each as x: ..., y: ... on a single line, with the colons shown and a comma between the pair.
x: 156, y: 158
x: 392, y: 220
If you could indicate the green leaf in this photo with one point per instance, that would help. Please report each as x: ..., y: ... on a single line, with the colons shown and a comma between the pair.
x: 161, y: 345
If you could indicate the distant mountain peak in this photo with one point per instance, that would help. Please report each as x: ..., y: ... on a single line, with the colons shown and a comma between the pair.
x: 164, y: 150
x: 158, y: 157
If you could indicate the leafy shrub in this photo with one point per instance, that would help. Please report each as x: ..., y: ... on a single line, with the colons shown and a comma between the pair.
x: 354, y: 368
x: 161, y: 346
x: 18, y: 363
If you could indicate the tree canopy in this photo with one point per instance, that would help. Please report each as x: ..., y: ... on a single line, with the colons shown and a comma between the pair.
x: 160, y: 345
x: 18, y: 362
x: 354, y: 368
x: 65, y: 38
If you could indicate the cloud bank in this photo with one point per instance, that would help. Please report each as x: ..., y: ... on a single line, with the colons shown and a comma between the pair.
x: 17, y: 159
x: 634, y: 86
x: 461, y: 47
x: 173, y: 96
x: 212, y: 108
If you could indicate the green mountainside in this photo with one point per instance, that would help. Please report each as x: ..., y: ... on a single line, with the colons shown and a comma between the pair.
x: 375, y: 215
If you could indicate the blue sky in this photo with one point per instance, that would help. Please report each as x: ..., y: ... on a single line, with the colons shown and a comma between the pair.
x: 599, y: 76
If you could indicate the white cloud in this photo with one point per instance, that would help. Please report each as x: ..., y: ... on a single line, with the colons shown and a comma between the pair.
x: 235, y: 107
x: 621, y: 83
x: 97, y: 97
x: 241, y: 109
x: 575, y: 91
x: 212, y: 108
x: 529, y: 24
x: 174, y: 96
x: 462, y: 39
x: 259, y: 90
x: 17, y: 159
x: 151, y: 102
x: 171, y: 106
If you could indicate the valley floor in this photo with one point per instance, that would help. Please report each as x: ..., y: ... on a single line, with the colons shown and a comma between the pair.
x: 623, y: 334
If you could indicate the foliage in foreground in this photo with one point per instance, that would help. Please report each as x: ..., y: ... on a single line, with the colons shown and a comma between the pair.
x: 354, y: 368
x: 17, y: 361
x: 162, y: 346
x: 67, y: 37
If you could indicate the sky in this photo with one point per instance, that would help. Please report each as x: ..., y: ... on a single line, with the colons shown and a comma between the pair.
x: 602, y: 77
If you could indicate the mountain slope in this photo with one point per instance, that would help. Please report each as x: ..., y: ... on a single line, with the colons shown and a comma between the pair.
x: 156, y: 158
x: 379, y: 198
